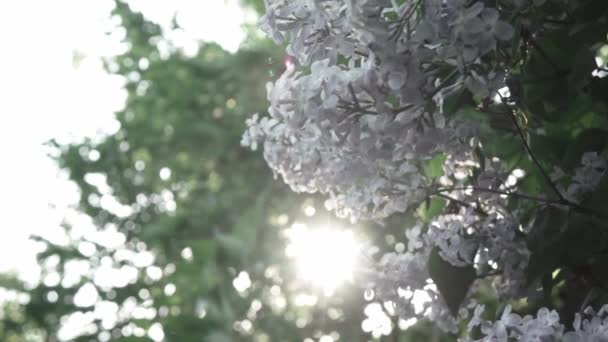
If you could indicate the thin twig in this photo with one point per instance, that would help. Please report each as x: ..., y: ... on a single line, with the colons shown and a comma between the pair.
x: 362, y: 54
x: 587, y: 300
x: 462, y: 203
x: 522, y: 135
x: 351, y: 89
x: 557, y: 21
x: 442, y: 84
x: 598, y: 216
x: 544, y: 55
x: 488, y: 274
x: 500, y: 192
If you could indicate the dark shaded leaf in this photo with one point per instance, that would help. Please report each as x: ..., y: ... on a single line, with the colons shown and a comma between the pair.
x: 452, y: 282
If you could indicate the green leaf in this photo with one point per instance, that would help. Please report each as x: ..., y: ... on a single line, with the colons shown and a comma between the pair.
x: 229, y: 242
x: 453, y: 282
x: 548, y: 148
x: 598, y: 201
x: 456, y: 102
x: 599, y: 269
x: 583, y: 65
x: 561, y: 238
x: 431, y: 209
x: 544, y: 241
x: 433, y: 168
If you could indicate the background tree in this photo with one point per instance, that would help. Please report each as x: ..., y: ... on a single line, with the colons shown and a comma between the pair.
x: 179, y: 226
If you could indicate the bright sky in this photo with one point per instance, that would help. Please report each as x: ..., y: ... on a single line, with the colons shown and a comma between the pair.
x: 44, y: 95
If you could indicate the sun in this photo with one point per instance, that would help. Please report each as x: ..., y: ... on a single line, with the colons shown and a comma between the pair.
x: 323, y: 256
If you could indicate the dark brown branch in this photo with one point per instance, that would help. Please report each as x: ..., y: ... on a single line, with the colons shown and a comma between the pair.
x: 478, y: 210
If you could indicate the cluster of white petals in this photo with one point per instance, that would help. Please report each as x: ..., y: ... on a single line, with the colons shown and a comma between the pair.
x: 358, y: 124
x: 403, y: 280
x: 484, y: 239
x: 590, y: 326
x: 362, y: 154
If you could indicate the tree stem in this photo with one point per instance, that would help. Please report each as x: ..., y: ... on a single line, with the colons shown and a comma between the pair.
x: 524, y: 141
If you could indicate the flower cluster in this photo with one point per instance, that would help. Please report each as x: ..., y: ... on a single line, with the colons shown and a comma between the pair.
x: 403, y: 281
x: 545, y: 326
x: 357, y: 126
x: 327, y: 134
x: 482, y: 238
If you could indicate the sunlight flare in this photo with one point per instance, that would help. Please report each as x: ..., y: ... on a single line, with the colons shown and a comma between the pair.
x: 324, y: 256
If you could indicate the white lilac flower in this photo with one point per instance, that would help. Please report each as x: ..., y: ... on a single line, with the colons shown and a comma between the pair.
x: 545, y: 326
x: 414, y: 240
x: 363, y: 154
x: 403, y: 280
x: 340, y: 130
x: 316, y: 29
x: 476, y: 319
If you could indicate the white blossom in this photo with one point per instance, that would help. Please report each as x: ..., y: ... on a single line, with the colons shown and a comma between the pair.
x: 545, y: 326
